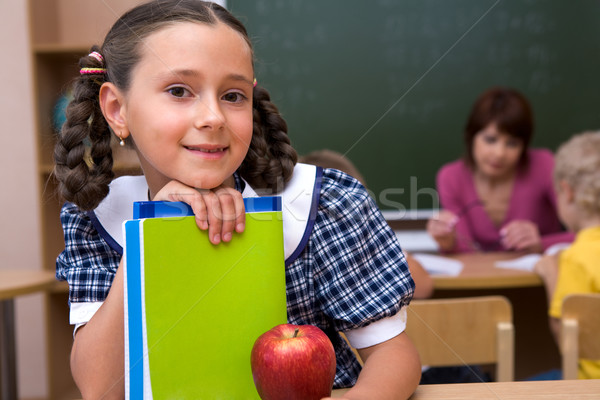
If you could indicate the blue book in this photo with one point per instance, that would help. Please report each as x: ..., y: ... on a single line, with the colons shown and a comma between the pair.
x: 193, y: 309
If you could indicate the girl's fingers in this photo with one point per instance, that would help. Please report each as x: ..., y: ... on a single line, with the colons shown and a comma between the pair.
x: 200, y: 211
x: 240, y: 212
x: 221, y: 211
x: 215, y: 217
x: 228, y: 213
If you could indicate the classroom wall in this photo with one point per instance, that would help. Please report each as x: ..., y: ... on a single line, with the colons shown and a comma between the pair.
x: 20, y: 245
x: 390, y: 83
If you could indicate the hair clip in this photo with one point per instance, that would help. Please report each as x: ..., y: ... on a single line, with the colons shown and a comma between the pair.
x: 97, y: 56
x: 254, y: 83
x: 92, y: 71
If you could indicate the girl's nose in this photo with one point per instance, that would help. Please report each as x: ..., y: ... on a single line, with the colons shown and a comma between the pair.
x: 208, y: 114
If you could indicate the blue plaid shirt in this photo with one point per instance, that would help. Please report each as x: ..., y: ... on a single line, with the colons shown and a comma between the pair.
x: 352, y: 271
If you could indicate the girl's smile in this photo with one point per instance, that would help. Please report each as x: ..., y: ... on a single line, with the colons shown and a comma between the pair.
x: 211, y: 152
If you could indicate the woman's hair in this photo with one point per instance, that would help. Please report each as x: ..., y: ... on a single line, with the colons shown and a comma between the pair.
x: 509, y: 110
x: 578, y: 163
x: 332, y: 159
x: 83, y: 177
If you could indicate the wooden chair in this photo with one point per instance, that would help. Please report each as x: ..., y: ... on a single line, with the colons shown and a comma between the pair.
x: 580, y: 331
x: 464, y: 331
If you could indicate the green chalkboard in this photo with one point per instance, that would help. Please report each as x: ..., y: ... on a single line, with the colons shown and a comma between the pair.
x: 389, y: 83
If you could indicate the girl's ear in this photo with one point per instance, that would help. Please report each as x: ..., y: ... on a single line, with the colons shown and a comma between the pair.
x: 112, y: 103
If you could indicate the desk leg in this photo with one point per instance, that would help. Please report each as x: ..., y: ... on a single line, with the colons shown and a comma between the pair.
x: 8, y: 373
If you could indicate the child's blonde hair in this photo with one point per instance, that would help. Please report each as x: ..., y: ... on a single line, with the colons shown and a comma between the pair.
x: 578, y: 163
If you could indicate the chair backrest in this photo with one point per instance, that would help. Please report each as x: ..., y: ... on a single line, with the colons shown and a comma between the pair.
x: 464, y: 331
x: 580, y: 331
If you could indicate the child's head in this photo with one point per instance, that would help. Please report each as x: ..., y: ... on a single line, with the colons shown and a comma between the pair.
x: 332, y: 159
x: 174, y: 78
x: 577, y: 179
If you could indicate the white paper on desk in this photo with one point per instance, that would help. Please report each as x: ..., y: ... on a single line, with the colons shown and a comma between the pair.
x: 527, y: 262
x: 524, y: 263
x: 439, y: 265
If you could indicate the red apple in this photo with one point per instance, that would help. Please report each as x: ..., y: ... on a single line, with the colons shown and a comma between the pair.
x: 293, y: 362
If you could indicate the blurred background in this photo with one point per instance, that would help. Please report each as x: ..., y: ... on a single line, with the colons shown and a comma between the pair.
x: 390, y: 83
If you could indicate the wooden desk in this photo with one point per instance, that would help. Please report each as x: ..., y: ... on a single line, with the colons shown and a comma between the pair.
x: 546, y: 390
x: 480, y: 272
x: 15, y: 283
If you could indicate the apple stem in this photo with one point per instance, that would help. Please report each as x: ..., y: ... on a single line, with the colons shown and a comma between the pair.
x: 296, y: 333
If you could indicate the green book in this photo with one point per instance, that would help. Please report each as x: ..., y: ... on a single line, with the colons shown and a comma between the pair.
x: 193, y: 309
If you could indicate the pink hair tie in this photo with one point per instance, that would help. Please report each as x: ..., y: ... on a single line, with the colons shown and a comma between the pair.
x: 92, y: 71
x: 97, y: 56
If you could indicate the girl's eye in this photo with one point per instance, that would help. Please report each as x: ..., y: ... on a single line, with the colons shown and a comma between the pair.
x: 234, y: 97
x: 178, y: 91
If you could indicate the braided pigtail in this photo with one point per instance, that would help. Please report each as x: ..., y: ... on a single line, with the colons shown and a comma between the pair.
x: 270, y: 161
x: 83, y: 176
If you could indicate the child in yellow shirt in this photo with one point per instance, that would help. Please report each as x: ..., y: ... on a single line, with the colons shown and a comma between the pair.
x: 576, y: 269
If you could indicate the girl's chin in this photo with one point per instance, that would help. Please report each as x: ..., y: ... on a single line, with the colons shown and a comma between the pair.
x: 202, y: 182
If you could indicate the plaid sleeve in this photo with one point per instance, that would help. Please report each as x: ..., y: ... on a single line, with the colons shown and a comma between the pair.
x: 87, y: 263
x: 361, y: 274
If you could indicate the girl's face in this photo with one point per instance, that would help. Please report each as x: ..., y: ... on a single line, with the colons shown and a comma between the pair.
x: 189, y: 106
x: 496, y: 153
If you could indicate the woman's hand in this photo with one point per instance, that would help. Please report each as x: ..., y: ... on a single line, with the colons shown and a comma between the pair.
x: 441, y: 229
x: 521, y: 235
x: 220, y: 210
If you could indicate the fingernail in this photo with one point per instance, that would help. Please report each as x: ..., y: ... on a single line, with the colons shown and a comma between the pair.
x: 203, y: 225
x: 217, y: 238
x: 239, y: 227
x: 227, y: 237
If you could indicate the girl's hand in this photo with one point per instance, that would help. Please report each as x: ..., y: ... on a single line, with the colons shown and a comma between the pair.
x: 441, y: 229
x: 220, y: 210
x: 521, y: 235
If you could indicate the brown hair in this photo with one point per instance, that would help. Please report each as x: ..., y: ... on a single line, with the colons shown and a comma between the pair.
x: 83, y: 177
x: 509, y: 110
